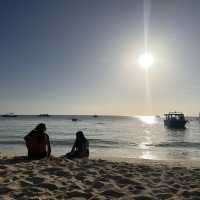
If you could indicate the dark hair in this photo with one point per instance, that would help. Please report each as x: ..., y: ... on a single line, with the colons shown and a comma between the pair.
x: 80, y: 136
x: 40, y: 130
x: 41, y: 127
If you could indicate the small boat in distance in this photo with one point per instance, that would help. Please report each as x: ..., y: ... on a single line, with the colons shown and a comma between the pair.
x: 44, y: 115
x: 75, y: 119
x: 9, y: 115
x: 175, y: 120
x: 95, y: 116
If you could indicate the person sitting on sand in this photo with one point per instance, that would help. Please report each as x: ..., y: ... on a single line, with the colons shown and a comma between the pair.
x: 80, y: 148
x: 37, y: 142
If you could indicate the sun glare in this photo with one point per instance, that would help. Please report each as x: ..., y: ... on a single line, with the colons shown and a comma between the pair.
x: 148, y: 119
x: 146, y: 60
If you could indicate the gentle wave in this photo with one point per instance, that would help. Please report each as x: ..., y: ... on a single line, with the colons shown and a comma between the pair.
x: 177, y: 144
x: 93, y: 142
x: 104, y: 143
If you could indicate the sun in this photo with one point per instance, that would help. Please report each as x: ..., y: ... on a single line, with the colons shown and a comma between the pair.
x: 146, y: 60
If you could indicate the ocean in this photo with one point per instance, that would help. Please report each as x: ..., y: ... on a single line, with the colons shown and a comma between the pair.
x: 109, y: 136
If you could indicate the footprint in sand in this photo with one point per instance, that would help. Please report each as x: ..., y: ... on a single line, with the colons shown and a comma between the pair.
x: 18, y: 195
x: 5, y: 190
x: 123, y: 181
x: 193, y: 194
x: 48, y: 186
x: 35, y: 180
x: 3, y: 167
x: 78, y: 194
x: 98, y: 184
x: 3, y: 173
x: 81, y: 176
x: 25, y: 183
x: 144, y: 197
x: 50, y: 169
x: 30, y: 192
x: 112, y: 194
x: 164, y: 195
x: 57, y: 172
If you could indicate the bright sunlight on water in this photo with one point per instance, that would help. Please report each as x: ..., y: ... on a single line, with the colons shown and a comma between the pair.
x: 148, y: 119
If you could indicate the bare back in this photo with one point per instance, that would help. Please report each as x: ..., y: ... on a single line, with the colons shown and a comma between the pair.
x: 38, y: 147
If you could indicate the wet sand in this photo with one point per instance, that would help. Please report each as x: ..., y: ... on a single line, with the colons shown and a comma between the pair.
x: 95, y: 179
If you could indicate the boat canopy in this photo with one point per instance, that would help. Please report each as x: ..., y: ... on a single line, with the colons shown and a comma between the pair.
x: 176, y: 115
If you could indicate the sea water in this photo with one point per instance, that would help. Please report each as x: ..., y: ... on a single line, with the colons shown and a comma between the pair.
x: 109, y: 136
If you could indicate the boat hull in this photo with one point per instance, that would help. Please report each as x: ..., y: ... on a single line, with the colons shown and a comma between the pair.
x: 175, y: 123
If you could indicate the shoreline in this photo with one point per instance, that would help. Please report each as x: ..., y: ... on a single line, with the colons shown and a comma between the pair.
x: 98, y: 179
x: 169, y: 162
x: 177, y: 162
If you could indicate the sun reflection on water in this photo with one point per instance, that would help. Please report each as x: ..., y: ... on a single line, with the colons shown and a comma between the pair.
x: 148, y: 155
x: 148, y: 119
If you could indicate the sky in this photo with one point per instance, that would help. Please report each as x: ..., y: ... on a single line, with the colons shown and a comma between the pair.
x: 80, y: 57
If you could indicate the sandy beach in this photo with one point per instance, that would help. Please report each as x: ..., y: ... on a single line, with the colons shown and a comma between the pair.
x: 97, y: 179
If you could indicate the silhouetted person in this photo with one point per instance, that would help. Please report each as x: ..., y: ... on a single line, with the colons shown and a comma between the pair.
x: 37, y: 142
x: 80, y: 148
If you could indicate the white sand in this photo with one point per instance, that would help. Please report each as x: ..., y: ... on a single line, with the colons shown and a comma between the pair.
x: 98, y: 179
